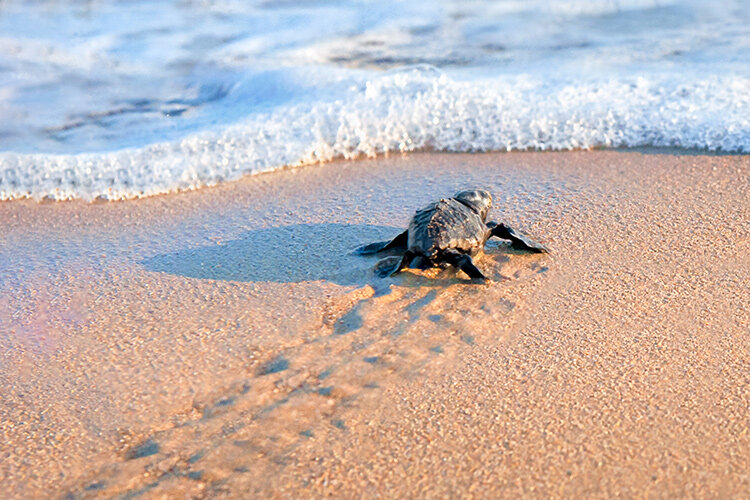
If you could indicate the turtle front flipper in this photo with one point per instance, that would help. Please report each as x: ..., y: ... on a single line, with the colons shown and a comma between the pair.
x: 463, y: 262
x: 397, y: 243
x: 518, y: 240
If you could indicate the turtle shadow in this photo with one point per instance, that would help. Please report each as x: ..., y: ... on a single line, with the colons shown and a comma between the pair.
x: 286, y: 254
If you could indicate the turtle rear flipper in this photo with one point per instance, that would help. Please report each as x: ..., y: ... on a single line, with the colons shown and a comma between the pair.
x: 464, y: 263
x: 518, y: 240
x: 392, y: 265
x: 397, y: 243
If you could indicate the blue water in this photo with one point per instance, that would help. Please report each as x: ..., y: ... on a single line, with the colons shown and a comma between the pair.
x: 126, y: 99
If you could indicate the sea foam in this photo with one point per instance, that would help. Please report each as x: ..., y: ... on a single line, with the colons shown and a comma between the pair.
x: 408, y: 110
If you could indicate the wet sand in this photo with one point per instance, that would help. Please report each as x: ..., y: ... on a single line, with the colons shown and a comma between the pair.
x: 225, y: 343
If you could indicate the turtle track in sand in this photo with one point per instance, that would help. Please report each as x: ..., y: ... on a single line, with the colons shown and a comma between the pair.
x: 271, y: 420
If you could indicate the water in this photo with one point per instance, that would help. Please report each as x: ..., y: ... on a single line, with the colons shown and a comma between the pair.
x: 127, y: 99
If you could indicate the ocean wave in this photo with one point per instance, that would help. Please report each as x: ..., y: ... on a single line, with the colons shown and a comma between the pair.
x: 408, y: 110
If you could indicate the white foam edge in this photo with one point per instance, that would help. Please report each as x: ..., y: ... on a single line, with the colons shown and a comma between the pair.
x: 406, y: 111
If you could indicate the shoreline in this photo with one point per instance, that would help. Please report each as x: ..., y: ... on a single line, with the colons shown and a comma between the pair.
x: 204, y: 324
x: 388, y: 155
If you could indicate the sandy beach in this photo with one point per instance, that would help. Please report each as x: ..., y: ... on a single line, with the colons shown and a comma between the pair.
x: 225, y: 343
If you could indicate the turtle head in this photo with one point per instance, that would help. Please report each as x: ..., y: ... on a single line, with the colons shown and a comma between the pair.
x: 478, y: 200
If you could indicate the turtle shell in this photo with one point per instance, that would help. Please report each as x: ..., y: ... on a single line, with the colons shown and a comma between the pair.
x: 446, y: 224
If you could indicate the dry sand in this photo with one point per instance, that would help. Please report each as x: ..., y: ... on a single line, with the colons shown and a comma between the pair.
x: 223, y: 343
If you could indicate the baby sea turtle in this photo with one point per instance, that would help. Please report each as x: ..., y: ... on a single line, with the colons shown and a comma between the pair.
x: 449, y: 231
